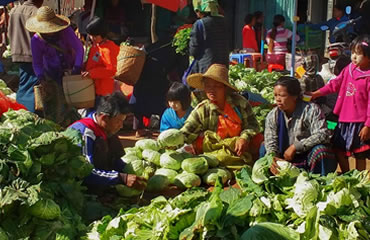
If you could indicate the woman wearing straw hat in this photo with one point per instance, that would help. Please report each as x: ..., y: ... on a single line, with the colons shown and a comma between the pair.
x: 224, y: 112
x: 208, y: 38
x: 55, y: 50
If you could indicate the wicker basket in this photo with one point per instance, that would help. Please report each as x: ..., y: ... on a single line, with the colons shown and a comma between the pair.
x: 39, y: 96
x: 130, y: 63
x: 78, y: 91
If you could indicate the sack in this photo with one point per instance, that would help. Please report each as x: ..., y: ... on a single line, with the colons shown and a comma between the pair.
x: 39, y: 97
x: 130, y: 63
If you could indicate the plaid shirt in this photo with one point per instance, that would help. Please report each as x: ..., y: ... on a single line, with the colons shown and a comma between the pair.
x: 306, y: 128
x: 205, y: 117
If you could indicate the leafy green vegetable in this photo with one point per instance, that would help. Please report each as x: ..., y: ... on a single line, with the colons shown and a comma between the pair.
x: 139, y: 168
x: 187, y: 180
x: 169, y: 173
x: 181, y: 41
x: 197, y: 165
x: 268, y: 231
x: 213, y: 174
x: 157, y: 183
x: 171, y: 138
x: 125, y: 191
x: 152, y: 156
x: 261, y: 169
x: 171, y: 160
x: 45, y: 209
x: 212, y: 160
x: 147, y: 144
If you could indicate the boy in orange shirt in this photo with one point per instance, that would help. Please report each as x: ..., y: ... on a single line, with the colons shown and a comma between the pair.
x: 101, y: 65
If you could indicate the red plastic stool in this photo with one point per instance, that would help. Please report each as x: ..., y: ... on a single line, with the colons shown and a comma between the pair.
x: 272, y: 67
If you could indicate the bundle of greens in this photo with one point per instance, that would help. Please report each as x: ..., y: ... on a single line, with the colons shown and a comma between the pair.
x: 181, y: 40
x: 41, y: 169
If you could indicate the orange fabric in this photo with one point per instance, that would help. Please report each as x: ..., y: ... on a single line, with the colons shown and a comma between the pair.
x: 102, y: 66
x: 249, y: 38
x: 229, y: 124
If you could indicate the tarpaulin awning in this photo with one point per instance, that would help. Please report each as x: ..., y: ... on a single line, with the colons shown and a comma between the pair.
x: 173, y: 5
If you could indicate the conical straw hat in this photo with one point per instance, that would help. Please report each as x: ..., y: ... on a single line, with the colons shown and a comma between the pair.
x: 46, y: 21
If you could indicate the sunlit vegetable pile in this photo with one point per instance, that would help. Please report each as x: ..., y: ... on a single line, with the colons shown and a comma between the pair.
x: 181, y: 39
x: 41, y: 169
x: 162, y: 165
x: 294, y: 205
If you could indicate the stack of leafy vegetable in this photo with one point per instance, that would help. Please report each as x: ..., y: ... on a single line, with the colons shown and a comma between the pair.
x: 7, y: 91
x: 292, y: 205
x: 41, y: 169
x: 162, y: 165
x: 181, y: 39
x: 248, y: 79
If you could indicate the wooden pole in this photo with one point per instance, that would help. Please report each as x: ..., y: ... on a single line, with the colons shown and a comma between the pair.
x: 153, y: 24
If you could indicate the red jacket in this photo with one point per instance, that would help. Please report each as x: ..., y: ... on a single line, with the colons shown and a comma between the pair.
x: 249, y: 38
x: 102, y: 66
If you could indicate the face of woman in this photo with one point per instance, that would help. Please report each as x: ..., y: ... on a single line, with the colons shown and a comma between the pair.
x: 284, y: 101
x: 175, y: 105
x: 214, y: 90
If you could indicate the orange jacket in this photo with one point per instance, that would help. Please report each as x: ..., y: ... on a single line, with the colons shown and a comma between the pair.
x: 102, y: 66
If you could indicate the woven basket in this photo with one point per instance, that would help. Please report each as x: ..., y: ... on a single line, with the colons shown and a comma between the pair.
x: 39, y: 96
x: 130, y: 63
x: 78, y: 91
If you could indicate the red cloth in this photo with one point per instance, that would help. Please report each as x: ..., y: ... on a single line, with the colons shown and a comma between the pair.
x: 91, y: 124
x: 8, y: 103
x: 249, y: 38
x: 102, y: 66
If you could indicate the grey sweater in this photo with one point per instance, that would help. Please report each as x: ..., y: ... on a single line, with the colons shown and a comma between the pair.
x: 20, y: 37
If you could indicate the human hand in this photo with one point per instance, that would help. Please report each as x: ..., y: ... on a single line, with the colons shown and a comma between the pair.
x: 274, y: 169
x: 290, y: 153
x: 133, y: 181
x: 85, y: 74
x: 241, y: 146
x: 315, y: 94
x: 364, y: 134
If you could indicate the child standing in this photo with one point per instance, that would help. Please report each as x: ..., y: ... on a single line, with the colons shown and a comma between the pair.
x: 352, y: 135
x: 178, y: 98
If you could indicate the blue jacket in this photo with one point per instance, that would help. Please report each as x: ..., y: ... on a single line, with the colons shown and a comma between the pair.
x: 171, y: 120
x: 97, y: 176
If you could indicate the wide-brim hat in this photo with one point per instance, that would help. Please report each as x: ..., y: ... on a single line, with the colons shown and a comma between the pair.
x: 217, y: 72
x: 46, y: 21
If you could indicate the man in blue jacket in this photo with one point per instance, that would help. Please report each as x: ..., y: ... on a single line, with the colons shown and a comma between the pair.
x: 102, y: 147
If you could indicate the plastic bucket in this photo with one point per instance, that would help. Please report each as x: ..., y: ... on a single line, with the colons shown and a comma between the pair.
x: 78, y: 91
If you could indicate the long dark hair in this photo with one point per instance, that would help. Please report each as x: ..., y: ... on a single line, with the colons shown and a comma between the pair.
x: 278, y: 20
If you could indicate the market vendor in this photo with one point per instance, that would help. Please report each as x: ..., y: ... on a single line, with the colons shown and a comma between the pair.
x: 296, y: 131
x: 102, y: 146
x: 56, y: 50
x: 224, y: 111
x: 101, y: 64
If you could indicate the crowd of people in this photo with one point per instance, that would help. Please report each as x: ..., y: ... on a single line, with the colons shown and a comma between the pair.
x: 47, y: 49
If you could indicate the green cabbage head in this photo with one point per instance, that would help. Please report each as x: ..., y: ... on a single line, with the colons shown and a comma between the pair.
x: 187, y: 180
x: 157, y: 183
x: 171, y: 160
x: 133, y: 151
x: 130, y: 158
x: 45, y: 209
x: 169, y: 173
x: 211, y: 176
x: 211, y: 159
x: 171, y: 138
x: 152, y: 156
x: 125, y: 191
x: 140, y: 168
x: 147, y: 144
x: 285, y: 168
x: 197, y: 165
x: 261, y: 169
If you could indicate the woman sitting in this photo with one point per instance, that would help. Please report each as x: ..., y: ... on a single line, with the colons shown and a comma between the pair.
x: 296, y: 131
x: 224, y: 112
x: 178, y: 98
x: 277, y: 40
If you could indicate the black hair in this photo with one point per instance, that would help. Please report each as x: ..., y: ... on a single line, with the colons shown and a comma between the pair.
x: 258, y: 14
x: 339, y: 7
x: 179, y: 92
x: 248, y: 18
x: 278, y: 20
x: 340, y: 64
x: 362, y: 43
x: 113, y: 104
x: 292, y: 85
x: 96, y: 27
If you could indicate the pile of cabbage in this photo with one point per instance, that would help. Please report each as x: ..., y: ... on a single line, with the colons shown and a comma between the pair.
x: 292, y: 205
x: 163, y: 166
x: 41, y: 169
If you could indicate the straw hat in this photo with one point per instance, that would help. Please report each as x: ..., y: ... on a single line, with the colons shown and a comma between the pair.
x: 217, y: 72
x: 46, y: 21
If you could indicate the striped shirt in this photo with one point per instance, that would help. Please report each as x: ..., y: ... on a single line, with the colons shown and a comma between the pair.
x: 281, y: 40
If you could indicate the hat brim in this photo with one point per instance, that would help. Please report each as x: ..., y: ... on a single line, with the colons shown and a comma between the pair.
x: 196, y: 81
x: 54, y: 25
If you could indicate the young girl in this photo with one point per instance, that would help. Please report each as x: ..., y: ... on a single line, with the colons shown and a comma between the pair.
x: 178, y: 98
x: 352, y: 135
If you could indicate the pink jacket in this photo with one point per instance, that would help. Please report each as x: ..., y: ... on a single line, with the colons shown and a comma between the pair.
x: 353, y: 88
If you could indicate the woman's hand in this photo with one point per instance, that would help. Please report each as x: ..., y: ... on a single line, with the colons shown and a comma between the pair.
x: 290, y: 153
x: 364, y: 134
x: 315, y: 94
x: 241, y: 146
x: 85, y: 74
x: 274, y: 167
